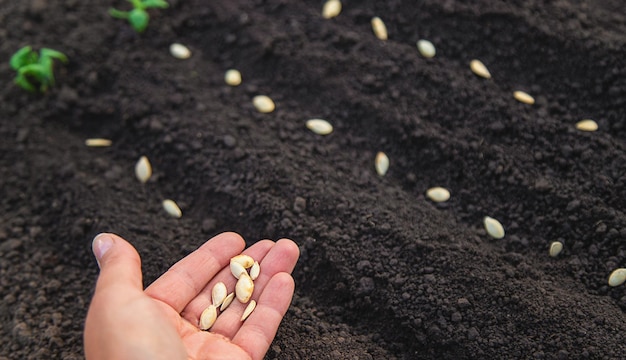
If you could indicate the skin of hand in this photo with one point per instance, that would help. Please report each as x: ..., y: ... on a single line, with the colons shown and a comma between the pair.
x: 161, y: 322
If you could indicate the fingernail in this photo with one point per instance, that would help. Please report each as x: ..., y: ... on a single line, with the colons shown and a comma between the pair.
x: 100, y: 245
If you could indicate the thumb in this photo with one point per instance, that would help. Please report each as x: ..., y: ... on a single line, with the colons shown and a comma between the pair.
x: 119, y: 262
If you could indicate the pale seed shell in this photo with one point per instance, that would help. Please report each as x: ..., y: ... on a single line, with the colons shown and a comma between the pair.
x: 143, y: 169
x: 263, y: 104
x: 255, y: 270
x: 426, y: 48
x: 172, y: 208
x: 438, y: 194
x: 218, y: 294
x: 245, y: 260
x: 180, y: 51
x: 381, y: 163
x: 98, y: 142
x: 208, y: 317
x: 493, y: 227
x: 244, y: 288
x: 617, y: 277
x: 232, y: 77
x: 587, y: 125
x: 523, y: 97
x: 227, y: 301
x: 480, y: 69
x: 555, y: 248
x: 319, y: 126
x: 331, y: 9
x: 236, y: 269
x: 380, y: 30
x: 249, y: 309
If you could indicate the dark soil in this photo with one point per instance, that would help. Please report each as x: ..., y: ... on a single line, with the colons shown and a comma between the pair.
x: 384, y: 272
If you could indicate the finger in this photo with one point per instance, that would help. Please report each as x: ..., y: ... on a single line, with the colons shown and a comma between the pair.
x: 258, y: 331
x: 281, y: 258
x: 195, y: 307
x: 185, y: 279
x: 119, y: 263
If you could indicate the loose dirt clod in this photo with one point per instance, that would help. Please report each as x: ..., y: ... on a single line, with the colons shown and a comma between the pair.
x: 249, y: 309
x: 426, y: 48
x: 319, y: 126
x: 480, y: 69
x: 98, y: 142
x: 227, y: 301
x: 493, y: 227
x: 617, y: 277
x: 523, y: 97
x: 218, y: 294
x: 172, y: 208
x: 263, y: 104
x: 555, y: 248
x: 331, y: 9
x: 381, y: 163
x: 232, y: 77
x: 244, y: 288
x: 208, y: 317
x: 587, y: 125
x: 180, y: 51
x: 380, y: 30
x: 438, y: 194
x: 143, y: 169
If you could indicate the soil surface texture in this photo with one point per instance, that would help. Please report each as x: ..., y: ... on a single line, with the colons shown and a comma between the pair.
x: 384, y: 273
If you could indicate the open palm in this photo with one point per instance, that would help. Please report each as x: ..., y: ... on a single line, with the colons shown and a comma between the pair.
x: 161, y: 322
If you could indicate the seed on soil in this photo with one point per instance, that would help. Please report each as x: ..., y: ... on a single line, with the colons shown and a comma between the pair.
x: 143, y: 169
x: 249, y: 309
x: 331, y: 9
x: 555, y: 248
x: 245, y: 260
x: 227, y: 301
x: 587, y: 125
x: 218, y: 294
x: 480, y: 69
x: 232, y: 77
x: 319, y: 126
x: 438, y: 194
x: 381, y: 163
x: 426, y: 48
x: 98, y: 142
x: 236, y: 269
x: 255, y: 270
x: 493, y: 227
x: 380, y: 30
x: 263, y: 104
x: 523, y: 97
x: 617, y: 277
x: 208, y: 317
x: 172, y: 208
x: 180, y: 51
x: 244, y: 288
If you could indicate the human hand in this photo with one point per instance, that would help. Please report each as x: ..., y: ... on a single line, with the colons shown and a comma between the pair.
x: 126, y: 322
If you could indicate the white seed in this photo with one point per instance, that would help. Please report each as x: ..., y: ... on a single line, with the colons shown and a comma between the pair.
x: 480, y: 69
x: 236, y: 269
x: 172, y: 208
x: 143, y: 169
x: 426, y: 48
x: 180, y: 51
x: 319, y: 126
x: 617, y: 277
x: 438, y: 194
x: 249, y: 309
x: 227, y: 301
x: 218, y: 294
x: 380, y: 30
x: 244, y: 288
x: 381, y: 163
x: 587, y: 125
x: 245, y: 260
x: 263, y: 104
x: 255, y: 270
x: 331, y: 9
x: 493, y: 227
x: 232, y: 77
x: 523, y: 97
x: 208, y: 317
x: 555, y: 248
x: 98, y: 142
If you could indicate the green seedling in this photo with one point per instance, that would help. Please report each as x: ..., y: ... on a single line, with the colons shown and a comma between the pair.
x: 35, y: 71
x: 138, y: 17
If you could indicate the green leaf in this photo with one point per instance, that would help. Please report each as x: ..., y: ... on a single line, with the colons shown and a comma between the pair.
x: 118, y: 14
x: 139, y: 19
x: 53, y: 54
x: 22, y: 57
x: 22, y: 82
x: 35, y: 72
x: 155, y: 4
